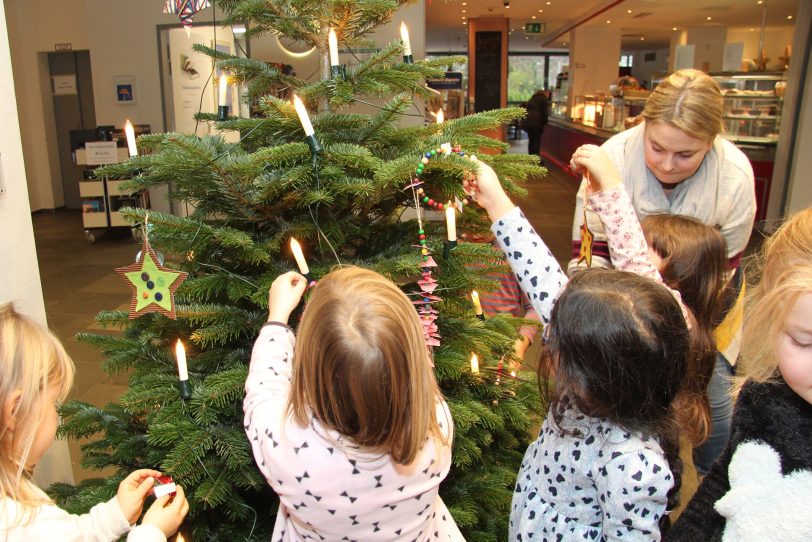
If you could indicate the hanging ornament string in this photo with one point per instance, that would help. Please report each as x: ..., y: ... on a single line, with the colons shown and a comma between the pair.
x: 428, y: 284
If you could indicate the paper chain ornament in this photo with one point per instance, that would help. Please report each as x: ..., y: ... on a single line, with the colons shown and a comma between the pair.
x: 186, y: 9
x: 153, y: 285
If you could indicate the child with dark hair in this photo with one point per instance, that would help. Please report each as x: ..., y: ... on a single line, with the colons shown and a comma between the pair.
x: 605, y: 465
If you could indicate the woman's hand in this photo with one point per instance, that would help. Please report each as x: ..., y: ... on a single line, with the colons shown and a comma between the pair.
x: 133, y: 490
x: 593, y: 163
x: 167, y: 513
x: 489, y: 193
x: 284, y: 295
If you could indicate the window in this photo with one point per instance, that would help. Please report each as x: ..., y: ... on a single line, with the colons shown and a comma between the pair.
x: 626, y: 61
x: 525, y: 77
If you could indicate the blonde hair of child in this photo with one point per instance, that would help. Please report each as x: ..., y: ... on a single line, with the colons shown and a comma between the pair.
x: 786, y: 274
x: 32, y: 360
x: 690, y: 100
x: 362, y: 368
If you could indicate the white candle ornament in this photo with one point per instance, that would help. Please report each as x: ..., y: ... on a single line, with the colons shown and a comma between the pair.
x: 440, y: 116
x: 296, y: 248
x: 130, y: 133
x: 474, y: 364
x: 477, y: 304
x: 223, y: 90
x: 404, y: 37
x: 304, y: 118
x: 332, y: 41
x: 180, y: 354
x: 451, y: 221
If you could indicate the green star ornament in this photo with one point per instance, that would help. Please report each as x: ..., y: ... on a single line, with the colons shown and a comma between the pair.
x: 153, y: 285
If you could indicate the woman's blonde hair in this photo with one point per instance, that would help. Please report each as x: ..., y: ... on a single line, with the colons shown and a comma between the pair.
x: 32, y: 360
x: 362, y: 368
x: 786, y: 274
x: 690, y: 100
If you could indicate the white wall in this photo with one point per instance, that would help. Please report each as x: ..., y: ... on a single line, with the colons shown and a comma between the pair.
x: 594, y: 56
x: 710, y: 46
x: 19, y: 270
x: 775, y: 41
x: 643, y: 69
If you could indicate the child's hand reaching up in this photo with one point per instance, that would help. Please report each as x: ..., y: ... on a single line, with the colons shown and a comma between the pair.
x: 489, y: 193
x: 593, y: 162
x: 167, y: 513
x: 285, y: 293
x: 133, y: 490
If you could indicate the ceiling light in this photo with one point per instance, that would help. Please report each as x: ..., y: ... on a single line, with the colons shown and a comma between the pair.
x: 548, y: 3
x: 238, y: 29
x: 760, y: 2
x: 710, y: 18
x: 464, y: 11
x: 541, y: 11
x: 465, y: 3
x: 642, y: 39
x: 789, y: 17
x: 465, y: 22
x: 674, y: 28
x: 628, y: 11
x: 608, y: 21
x: 752, y: 30
x: 533, y: 17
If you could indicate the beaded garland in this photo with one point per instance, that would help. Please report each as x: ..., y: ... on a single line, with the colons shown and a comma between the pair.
x: 427, y: 284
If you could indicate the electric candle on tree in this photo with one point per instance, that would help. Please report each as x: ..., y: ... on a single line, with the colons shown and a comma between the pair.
x: 307, y: 126
x: 296, y: 248
x: 451, y: 221
x: 222, y: 109
x: 183, y: 372
x: 130, y: 133
x: 477, y: 305
x: 332, y: 43
x: 407, y: 46
x: 474, y: 364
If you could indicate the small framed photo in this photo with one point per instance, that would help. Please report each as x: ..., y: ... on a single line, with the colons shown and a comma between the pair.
x: 125, y: 89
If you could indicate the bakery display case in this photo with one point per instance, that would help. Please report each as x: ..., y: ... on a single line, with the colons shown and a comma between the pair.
x: 752, y: 106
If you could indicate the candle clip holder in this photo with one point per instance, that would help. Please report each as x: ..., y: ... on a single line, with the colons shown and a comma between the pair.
x: 222, y: 112
x: 448, y: 246
x: 408, y: 59
x: 481, y: 316
x: 338, y: 72
x: 185, y: 390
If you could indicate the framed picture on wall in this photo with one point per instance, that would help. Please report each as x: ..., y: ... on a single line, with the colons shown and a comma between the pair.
x: 125, y: 89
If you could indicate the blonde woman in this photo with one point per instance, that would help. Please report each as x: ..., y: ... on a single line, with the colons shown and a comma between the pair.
x: 676, y: 162
x: 761, y: 486
x: 35, y: 374
x: 349, y: 428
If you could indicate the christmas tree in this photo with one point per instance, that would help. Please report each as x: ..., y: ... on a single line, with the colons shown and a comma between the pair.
x: 342, y: 194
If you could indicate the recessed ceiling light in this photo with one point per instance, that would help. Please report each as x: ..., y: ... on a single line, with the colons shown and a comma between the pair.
x: 548, y: 3
x: 465, y: 22
x: 752, y: 30
x: 710, y: 18
x: 642, y: 39
x: 789, y: 17
x: 507, y: 6
x: 464, y: 11
x: 760, y: 2
x: 465, y: 3
x: 674, y: 28
x: 628, y: 11
x: 533, y: 17
x: 541, y: 11
x: 608, y: 21
x: 526, y: 38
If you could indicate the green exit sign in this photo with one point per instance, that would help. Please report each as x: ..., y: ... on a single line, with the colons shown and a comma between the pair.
x: 535, y: 28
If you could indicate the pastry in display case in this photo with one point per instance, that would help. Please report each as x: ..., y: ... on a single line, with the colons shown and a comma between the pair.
x: 752, y: 105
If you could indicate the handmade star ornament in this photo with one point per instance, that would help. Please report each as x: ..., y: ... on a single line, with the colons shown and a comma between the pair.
x: 153, y: 285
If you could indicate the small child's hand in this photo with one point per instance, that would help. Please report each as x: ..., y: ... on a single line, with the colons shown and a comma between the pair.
x: 593, y: 162
x: 133, y: 490
x: 285, y: 293
x: 167, y: 513
x: 489, y: 193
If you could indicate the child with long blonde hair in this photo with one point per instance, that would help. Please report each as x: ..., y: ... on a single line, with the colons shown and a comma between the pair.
x: 349, y: 427
x: 35, y: 375
x: 760, y: 488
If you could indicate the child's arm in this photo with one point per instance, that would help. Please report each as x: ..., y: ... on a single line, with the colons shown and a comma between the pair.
x: 268, y: 384
x: 608, y: 198
x: 632, y: 493
x: 537, y: 271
